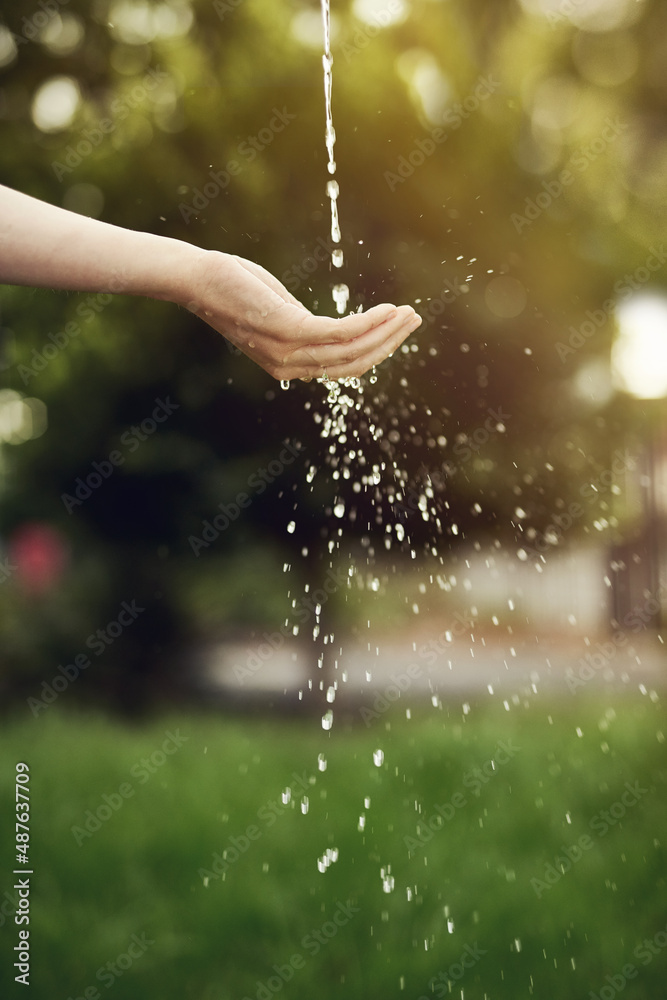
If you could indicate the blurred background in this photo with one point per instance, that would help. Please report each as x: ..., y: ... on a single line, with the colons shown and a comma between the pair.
x: 481, y: 531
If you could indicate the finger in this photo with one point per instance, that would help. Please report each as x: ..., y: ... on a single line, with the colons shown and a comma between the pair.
x: 384, y: 338
x: 271, y: 281
x: 324, y: 330
x: 374, y: 356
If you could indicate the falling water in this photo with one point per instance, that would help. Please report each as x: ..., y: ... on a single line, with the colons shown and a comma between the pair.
x: 340, y: 292
x: 362, y: 462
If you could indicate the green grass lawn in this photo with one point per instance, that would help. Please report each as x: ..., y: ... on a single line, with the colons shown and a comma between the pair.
x: 201, y: 883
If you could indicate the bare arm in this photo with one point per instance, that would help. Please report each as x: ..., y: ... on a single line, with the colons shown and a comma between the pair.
x: 47, y: 246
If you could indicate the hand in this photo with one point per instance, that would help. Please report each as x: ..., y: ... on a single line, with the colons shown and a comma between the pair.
x: 253, y: 310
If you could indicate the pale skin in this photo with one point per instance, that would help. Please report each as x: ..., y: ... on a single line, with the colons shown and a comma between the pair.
x: 46, y: 246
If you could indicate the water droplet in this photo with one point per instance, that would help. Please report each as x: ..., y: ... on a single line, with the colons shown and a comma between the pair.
x: 330, y: 857
x: 321, y: 762
x: 340, y: 294
x: 337, y: 258
x: 291, y: 527
x: 284, y: 383
x: 305, y: 804
x: 387, y: 879
x: 378, y: 757
x: 327, y: 720
x: 339, y: 510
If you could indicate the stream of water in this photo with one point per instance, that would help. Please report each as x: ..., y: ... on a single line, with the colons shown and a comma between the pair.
x: 364, y: 480
x: 340, y: 292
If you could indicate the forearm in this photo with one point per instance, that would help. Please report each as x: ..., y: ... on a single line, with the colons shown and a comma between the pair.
x: 50, y: 247
x: 44, y: 245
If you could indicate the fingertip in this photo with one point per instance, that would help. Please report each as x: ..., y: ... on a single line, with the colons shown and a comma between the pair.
x: 385, y: 311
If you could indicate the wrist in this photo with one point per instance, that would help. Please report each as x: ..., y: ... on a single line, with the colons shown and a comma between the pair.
x: 178, y: 276
x: 199, y: 278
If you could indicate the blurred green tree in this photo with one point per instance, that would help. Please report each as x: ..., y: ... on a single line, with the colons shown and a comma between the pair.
x: 501, y: 164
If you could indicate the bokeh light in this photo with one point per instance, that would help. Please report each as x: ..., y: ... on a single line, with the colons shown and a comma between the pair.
x: 56, y: 103
x: 639, y: 355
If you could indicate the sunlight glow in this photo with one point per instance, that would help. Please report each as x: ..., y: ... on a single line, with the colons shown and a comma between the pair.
x: 639, y: 354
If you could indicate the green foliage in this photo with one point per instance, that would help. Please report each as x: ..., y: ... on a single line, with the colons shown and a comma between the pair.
x: 143, y: 870
x: 185, y: 88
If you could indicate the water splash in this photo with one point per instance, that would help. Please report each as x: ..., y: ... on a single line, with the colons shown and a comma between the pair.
x: 387, y: 879
x: 335, y: 388
x: 330, y: 857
